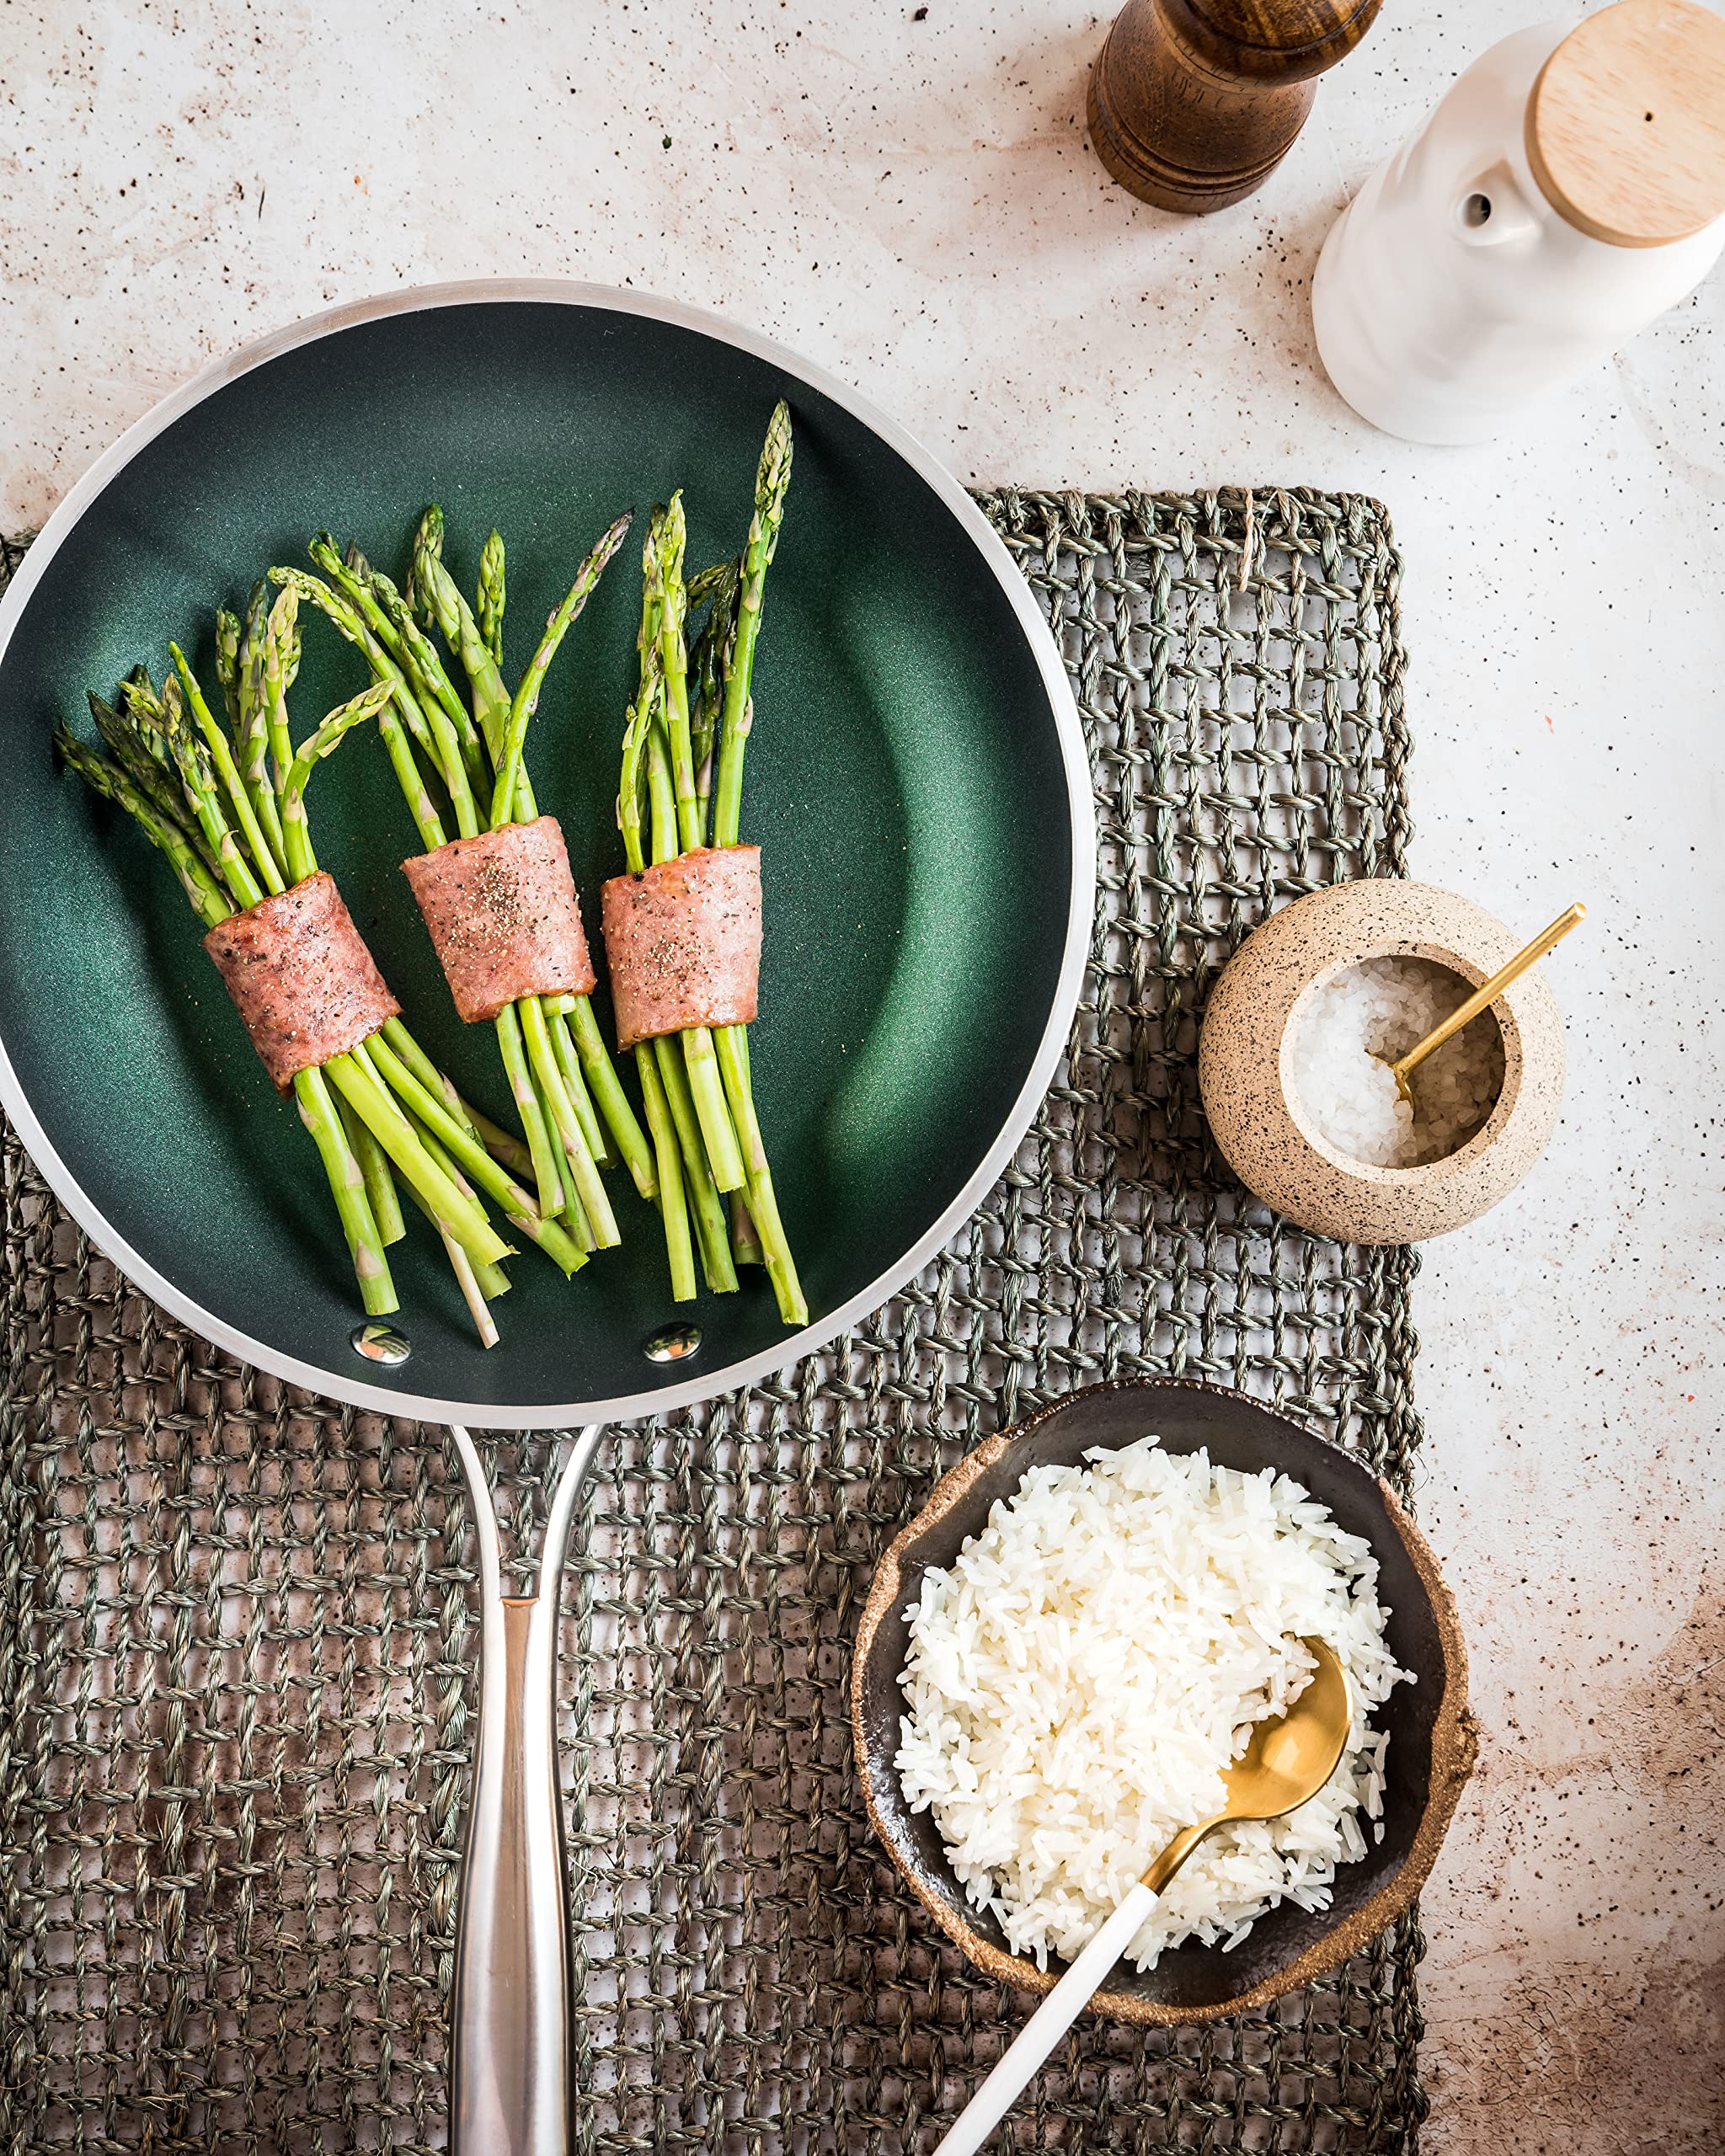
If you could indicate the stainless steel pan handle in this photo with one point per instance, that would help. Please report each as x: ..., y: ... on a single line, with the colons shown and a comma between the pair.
x: 509, y: 2081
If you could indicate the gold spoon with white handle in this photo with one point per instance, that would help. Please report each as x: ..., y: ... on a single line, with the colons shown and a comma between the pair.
x: 1484, y: 996
x: 1288, y: 1759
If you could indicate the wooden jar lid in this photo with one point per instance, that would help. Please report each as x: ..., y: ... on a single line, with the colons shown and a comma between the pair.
x: 1626, y: 127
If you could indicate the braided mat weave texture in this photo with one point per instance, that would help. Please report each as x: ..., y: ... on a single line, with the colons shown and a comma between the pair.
x: 235, y: 1624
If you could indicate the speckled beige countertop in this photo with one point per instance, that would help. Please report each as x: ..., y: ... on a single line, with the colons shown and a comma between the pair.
x: 913, y: 203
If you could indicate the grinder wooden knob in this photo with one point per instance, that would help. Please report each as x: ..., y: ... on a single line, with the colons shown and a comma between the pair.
x: 1194, y: 102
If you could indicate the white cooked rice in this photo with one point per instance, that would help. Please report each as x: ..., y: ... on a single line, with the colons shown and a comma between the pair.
x: 1093, y: 1660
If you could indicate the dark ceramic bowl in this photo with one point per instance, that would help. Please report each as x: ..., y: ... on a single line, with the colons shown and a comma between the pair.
x: 1432, y: 1735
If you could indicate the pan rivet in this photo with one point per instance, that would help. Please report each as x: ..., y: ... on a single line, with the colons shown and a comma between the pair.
x: 674, y: 1343
x: 382, y: 1343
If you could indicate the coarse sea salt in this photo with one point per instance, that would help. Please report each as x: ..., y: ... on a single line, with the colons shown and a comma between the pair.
x: 1354, y: 1026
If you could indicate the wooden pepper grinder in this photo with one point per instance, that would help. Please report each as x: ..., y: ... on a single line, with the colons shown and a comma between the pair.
x: 1194, y: 102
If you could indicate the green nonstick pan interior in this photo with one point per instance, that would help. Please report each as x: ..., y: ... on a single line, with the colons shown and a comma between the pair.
x: 914, y: 781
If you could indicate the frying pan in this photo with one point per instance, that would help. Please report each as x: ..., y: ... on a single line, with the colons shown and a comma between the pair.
x: 917, y: 781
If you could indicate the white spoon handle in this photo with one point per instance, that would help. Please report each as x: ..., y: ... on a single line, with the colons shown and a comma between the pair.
x: 1046, y: 2026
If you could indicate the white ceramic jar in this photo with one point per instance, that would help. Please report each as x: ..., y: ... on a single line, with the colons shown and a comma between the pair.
x: 1460, y: 283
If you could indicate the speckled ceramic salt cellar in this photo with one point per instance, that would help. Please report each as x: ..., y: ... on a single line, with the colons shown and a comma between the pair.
x: 1269, y: 1135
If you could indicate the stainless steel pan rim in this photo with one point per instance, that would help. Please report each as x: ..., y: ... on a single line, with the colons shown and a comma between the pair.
x: 567, y: 292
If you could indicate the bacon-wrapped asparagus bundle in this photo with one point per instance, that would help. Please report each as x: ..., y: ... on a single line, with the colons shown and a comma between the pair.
x: 496, y: 893
x: 683, y: 930
x: 226, y: 806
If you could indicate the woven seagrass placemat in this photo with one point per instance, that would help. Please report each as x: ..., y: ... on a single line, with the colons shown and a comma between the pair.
x: 235, y: 1623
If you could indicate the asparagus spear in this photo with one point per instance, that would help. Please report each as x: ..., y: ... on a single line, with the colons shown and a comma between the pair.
x: 274, y: 663
x: 671, y: 1051
x: 526, y: 700
x: 400, y: 721
x: 200, y: 885
x: 440, y: 598
x: 380, y: 1181
x: 236, y: 671
x: 673, y: 1203
x: 489, y: 610
x: 353, y: 1193
x: 301, y: 861
x: 227, y: 770
x: 708, y: 663
x: 121, y: 737
x: 198, y: 778
x: 213, y: 905
x: 662, y: 569
x: 771, y: 480
x: 375, y: 598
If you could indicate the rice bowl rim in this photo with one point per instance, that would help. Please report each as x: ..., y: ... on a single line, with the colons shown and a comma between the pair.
x: 1454, y: 1740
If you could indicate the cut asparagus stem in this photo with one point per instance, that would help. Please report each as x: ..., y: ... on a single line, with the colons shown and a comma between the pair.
x: 706, y: 1204
x: 472, y: 1279
x: 719, y: 1133
x: 492, y: 1279
x: 575, y: 1080
x: 460, y: 1145
x: 587, y: 1183
x: 502, y: 1144
x: 462, y: 1217
x: 528, y: 1107
x: 668, y: 1160
x: 380, y: 1179
x: 745, y: 1243
x: 763, y: 1203
x: 471, y: 1294
x: 347, y: 1185
x: 629, y: 1139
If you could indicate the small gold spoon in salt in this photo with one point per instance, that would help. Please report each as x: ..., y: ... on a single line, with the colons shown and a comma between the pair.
x: 1287, y: 1760
x: 1484, y: 996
